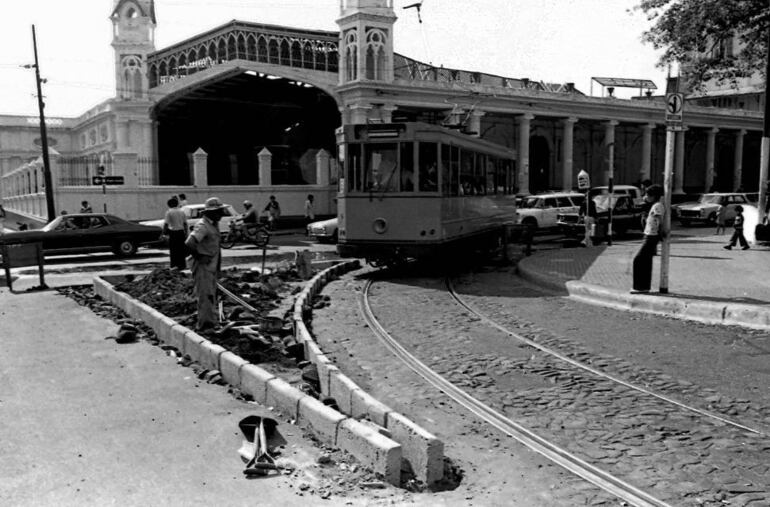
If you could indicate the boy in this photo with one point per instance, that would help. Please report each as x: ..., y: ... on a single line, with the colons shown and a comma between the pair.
x: 738, y: 234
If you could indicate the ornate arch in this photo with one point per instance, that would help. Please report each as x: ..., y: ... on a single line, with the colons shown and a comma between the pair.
x: 351, y: 56
x: 376, y: 40
x: 285, y: 52
x: 251, y: 48
x: 273, y: 51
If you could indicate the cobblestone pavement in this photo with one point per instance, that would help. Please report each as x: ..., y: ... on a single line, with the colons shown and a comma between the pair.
x: 497, y: 470
x: 673, y: 454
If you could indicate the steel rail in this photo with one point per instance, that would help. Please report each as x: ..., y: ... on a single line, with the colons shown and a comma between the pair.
x: 558, y: 455
x: 583, y: 366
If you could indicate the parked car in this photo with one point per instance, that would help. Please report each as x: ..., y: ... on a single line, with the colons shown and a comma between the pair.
x: 635, y: 193
x: 625, y: 216
x: 540, y: 211
x: 325, y: 231
x: 88, y: 232
x: 706, y: 208
x: 194, y: 213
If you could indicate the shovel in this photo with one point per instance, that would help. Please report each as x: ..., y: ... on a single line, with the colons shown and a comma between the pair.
x: 264, y: 462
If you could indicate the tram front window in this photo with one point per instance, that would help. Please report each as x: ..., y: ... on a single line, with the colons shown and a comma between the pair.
x: 428, y: 167
x: 381, y: 169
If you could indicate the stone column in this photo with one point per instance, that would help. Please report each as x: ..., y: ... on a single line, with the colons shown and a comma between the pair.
x: 359, y: 113
x: 322, y: 168
x: 609, y: 143
x: 679, y: 163
x: 738, y: 164
x: 123, y: 136
x: 125, y: 164
x: 523, y: 122
x: 200, y: 168
x: 567, y: 148
x: 474, y: 122
x: 711, y: 136
x: 644, y: 171
x: 265, y: 168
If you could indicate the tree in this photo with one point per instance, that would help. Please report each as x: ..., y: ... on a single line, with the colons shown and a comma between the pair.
x: 698, y: 34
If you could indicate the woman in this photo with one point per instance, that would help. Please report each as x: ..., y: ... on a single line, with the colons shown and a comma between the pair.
x: 653, y: 231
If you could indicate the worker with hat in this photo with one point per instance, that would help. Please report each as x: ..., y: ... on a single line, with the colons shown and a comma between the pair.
x: 203, y: 245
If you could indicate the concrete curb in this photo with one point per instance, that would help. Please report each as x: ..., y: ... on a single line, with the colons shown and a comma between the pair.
x: 708, y: 312
x: 422, y: 451
x: 374, y: 450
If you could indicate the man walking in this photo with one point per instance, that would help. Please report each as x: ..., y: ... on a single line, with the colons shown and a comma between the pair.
x: 203, y: 245
x: 175, y: 227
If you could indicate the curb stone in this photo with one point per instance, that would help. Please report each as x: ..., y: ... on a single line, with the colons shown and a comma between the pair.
x: 371, y: 449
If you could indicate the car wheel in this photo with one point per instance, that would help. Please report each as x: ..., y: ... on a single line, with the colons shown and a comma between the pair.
x: 125, y: 248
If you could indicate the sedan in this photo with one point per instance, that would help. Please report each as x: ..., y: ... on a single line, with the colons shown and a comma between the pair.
x: 88, y: 232
x: 324, y: 231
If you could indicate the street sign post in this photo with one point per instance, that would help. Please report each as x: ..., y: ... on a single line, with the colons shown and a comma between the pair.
x: 674, y: 124
x: 674, y: 108
x: 103, y: 180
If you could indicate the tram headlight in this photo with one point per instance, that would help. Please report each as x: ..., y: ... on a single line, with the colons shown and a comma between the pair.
x: 380, y: 226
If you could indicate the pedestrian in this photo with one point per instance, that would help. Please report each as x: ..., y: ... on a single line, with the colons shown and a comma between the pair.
x: 85, y: 207
x: 588, y: 212
x: 175, y: 228
x: 273, y: 210
x: 653, y: 232
x: 738, y: 233
x: 309, y: 211
x: 182, y: 200
x: 721, y: 218
x: 203, y: 245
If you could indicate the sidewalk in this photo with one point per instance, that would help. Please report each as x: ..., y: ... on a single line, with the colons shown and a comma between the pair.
x: 706, y: 282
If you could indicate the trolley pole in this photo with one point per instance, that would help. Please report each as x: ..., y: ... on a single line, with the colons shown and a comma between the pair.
x: 665, y: 249
x: 43, y: 136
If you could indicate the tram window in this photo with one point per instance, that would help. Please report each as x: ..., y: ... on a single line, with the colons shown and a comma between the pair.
x: 428, y: 176
x: 509, y: 173
x: 354, y: 167
x: 467, y: 178
x: 446, y: 173
x: 381, y: 167
x: 454, y: 169
x: 407, y: 167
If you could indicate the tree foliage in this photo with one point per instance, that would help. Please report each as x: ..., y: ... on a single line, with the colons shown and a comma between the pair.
x: 692, y: 32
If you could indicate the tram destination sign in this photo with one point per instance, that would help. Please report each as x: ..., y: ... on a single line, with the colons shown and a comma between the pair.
x: 108, y: 180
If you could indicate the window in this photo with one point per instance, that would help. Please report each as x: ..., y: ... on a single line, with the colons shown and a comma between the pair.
x: 407, y: 168
x: 467, y: 178
x: 550, y: 203
x: 563, y: 202
x: 354, y: 167
x: 428, y: 176
x: 381, y: 167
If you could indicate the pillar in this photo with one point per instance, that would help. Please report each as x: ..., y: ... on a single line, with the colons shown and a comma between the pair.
x: 359, y: 113
x: 645, y: 172
x: 567, y: 148
x: 523, y: 150
x: 200, y: 168
x: 265, y: 167
x: 322, y: 168
x: 711, y: 136
x: 738, y: 163
x: 679, y: 163
x: 123, y: 135
x: 609, y: 143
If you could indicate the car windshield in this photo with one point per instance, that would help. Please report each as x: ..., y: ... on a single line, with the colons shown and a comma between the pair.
x: 50, y: 226
x: 531, y: 202
x: 603, y: 201
x: 710, y: 199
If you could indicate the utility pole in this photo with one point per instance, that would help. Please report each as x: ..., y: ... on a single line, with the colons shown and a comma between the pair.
x: 43, y: 136
x: 764, y: 158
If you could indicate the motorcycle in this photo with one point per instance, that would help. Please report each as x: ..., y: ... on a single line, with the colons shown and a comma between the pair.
x: 239, y: 232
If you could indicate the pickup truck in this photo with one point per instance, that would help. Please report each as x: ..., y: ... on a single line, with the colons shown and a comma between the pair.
x: 625, y: 216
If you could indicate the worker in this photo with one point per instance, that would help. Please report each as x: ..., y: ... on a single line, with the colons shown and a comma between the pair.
x: 203, y: 245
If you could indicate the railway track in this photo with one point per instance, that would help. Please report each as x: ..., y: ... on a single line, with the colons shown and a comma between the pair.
x: 668, y: 429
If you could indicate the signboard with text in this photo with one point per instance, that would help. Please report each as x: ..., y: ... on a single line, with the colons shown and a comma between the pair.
x: 108, y: 180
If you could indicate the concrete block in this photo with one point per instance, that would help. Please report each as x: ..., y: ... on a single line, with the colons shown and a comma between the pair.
x: 423, y: 451
x: 372, y: 449
x: 747, y: 315
x: 164, y: 328
x: 363, y: 404
x: 321, y: 419
x: 284, y: 397
x: 312, y: 350
x: 102, y: 288
x: 301, y: 333
x: 254, y: 382
x: 325, y: 370
x: 210, y: 353
x: 341, y: 389
x: 710, y: 313
x: 176, y: 336
x: 230, y: 366
x: 193, y: 345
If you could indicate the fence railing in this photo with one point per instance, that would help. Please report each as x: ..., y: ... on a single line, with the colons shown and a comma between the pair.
x: 79, y: 171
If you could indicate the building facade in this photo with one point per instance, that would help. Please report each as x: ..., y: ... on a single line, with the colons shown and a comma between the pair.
x: 246, y: 110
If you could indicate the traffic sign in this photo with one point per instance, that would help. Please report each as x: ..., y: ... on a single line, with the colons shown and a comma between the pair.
x: 584, y: 181
x: 674, y: 108
x: 108, y: 180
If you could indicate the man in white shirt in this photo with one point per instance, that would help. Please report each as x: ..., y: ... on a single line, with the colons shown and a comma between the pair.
x: 653, y: 231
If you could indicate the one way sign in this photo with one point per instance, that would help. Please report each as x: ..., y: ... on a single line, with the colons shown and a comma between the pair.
x: 674, y: 108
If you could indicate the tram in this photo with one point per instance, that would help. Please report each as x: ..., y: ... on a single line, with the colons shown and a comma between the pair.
x: 414, y: 190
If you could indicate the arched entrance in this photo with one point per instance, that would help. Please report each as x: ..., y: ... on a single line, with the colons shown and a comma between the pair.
x: 539, y: 164
x: 235, y: 118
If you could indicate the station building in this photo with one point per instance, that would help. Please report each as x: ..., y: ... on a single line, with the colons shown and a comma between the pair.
x: 247, y: 110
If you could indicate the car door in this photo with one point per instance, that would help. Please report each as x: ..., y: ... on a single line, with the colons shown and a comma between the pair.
x: 67, y: 236
x: 96, y: 232
x: 549, y: 212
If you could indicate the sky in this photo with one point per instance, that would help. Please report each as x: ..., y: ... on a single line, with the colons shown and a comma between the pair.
x: 556, y: 41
